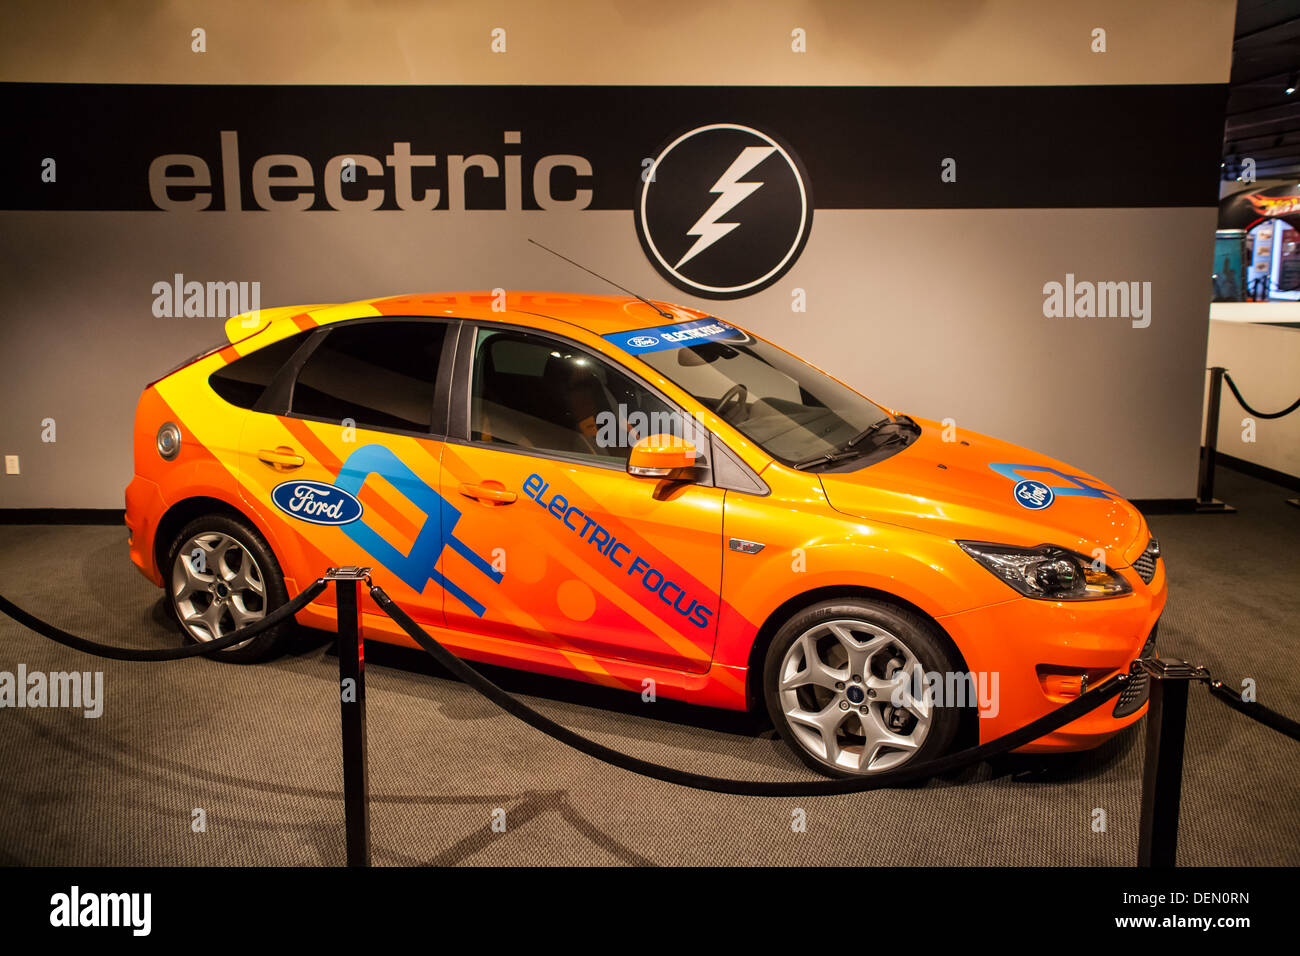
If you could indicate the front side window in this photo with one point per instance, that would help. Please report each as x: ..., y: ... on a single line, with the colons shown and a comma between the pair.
x: 797, y: 414
x: 377, y: 374
x: 534, y: 393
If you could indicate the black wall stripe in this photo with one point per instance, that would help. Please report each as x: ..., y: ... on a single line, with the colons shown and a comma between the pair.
x: 863, y: 147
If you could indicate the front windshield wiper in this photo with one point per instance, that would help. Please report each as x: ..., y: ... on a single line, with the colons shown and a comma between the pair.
x: 847, y: 449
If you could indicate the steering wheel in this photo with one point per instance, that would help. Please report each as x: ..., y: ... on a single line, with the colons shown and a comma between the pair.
x: 736, y: 396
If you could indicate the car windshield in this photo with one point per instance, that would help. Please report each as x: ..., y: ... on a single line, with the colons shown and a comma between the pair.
x: 796, y: 413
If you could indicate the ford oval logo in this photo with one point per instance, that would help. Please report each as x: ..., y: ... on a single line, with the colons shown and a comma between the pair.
x: 1033, y: 495
x: 642, y: 341
x: 316, y: 502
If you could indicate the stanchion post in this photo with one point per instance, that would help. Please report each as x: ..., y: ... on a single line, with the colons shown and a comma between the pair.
x: 1205, y: 501
x: 352, y: 708
x: 1162, y: 771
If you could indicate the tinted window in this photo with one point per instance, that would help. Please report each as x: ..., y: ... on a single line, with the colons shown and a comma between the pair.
x: 791, y: 409
x: 537, y: 393
x: 379, y: 374
x: 243, y: 381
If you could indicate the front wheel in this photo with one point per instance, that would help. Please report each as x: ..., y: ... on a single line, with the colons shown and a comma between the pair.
x: 845, y: 684
x: 224, y: 577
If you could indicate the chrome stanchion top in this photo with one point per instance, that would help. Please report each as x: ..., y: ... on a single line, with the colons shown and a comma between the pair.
x: 350, y: 573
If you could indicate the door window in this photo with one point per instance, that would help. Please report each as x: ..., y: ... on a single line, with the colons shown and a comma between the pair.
x: 537, y: 393
x: 378, y: 374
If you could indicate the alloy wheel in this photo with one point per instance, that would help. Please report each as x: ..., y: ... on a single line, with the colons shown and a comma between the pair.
x: 217, y: 586
x: 846, y: 690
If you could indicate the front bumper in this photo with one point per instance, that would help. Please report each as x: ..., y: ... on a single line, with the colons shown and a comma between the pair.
x: 1026, y: 649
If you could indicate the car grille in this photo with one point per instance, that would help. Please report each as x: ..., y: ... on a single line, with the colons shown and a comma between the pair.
x: 1145, y: 566
x: 1135, y: 692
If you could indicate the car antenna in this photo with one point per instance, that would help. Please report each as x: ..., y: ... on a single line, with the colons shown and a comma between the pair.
x: 666, y: 315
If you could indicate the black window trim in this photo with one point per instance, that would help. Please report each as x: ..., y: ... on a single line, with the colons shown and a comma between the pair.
x: 275, y: 400
x: 278, y: 397
x: 262, y: 399
x: 449, y: 416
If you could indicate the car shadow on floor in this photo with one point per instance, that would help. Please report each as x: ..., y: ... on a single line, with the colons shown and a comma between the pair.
x: 1018, y: 768
x: 306, y: 643
x: 1068, y: 767
x: 560, y: 690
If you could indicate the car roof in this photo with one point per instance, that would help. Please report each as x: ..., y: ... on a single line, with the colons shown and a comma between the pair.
x: 598, y: 314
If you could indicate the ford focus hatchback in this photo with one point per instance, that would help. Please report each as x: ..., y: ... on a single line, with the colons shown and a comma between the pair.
x: 650, y: 498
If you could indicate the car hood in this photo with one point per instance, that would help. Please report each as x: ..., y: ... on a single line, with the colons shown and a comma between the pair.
x: 963, y: 490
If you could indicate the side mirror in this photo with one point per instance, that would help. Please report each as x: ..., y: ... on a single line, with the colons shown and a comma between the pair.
x: 664, y: 456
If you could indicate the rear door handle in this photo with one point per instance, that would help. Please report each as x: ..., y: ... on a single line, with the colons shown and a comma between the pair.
x: 492, y: 491
x: 281, y: 457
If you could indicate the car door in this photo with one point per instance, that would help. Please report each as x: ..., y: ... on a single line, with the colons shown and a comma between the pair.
x: 552, y: 542
x: 343, y: 455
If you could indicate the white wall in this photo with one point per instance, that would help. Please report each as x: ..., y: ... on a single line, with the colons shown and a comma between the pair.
x: 1256, y: 312
x: 1264, y: 361
x: 936, y: 312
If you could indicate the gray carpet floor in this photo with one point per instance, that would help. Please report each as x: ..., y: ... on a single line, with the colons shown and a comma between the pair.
x: 257, y: 748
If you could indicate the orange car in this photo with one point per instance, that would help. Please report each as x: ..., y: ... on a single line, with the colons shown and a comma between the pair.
x: 643, y: 496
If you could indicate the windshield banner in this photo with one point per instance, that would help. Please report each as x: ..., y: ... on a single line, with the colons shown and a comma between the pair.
x: 663, y: 337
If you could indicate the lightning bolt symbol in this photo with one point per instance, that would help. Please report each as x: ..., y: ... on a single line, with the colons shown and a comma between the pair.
x: 731, y: 192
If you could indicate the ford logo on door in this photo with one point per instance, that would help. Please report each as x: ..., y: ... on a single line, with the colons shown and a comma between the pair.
x: 316, y: 502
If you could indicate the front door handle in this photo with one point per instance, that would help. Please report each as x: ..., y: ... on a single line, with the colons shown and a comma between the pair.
x: 281, y: 457
x: 492, y: 491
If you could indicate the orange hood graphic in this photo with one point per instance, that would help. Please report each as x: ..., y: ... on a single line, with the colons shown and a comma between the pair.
x: 954, y: 490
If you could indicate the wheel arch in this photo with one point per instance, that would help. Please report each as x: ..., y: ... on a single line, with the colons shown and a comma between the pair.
x: 182, y: 512
x: 806, y: 599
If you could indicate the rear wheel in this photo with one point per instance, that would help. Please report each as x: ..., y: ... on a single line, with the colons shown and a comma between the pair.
x: 844, y: 682
x: 224, y: 577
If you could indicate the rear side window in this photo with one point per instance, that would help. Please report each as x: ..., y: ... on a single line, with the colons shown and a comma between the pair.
x: 243, y: 381
x: 378, y: 374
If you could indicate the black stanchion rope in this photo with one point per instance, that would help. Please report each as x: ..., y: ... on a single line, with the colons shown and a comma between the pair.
x: 750, y: 788
x: 60, y: 636
x: 1237, y: 392
x: 756, y: 788
x: 1269, y: 718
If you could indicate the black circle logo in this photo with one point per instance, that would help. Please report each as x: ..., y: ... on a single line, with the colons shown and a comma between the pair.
x: 724, y: 211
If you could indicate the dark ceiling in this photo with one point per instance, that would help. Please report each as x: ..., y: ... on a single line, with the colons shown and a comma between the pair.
x: 1263, y: 120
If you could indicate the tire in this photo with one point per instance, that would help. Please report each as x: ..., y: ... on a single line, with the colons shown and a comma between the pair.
x: 867, y: 733
x: 234, y: 558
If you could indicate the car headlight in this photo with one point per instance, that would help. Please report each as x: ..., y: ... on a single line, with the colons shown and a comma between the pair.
x: 1048, y: 572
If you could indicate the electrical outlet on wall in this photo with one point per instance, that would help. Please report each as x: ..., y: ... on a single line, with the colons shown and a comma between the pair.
x: 11, y: 464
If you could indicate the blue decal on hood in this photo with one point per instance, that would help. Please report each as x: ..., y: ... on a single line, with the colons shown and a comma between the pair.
x: 1077, y: 487
x: 316, y: 502
x: 664, y: 337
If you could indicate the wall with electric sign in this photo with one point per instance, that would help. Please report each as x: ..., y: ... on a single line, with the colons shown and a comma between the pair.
x: 952, y: 210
